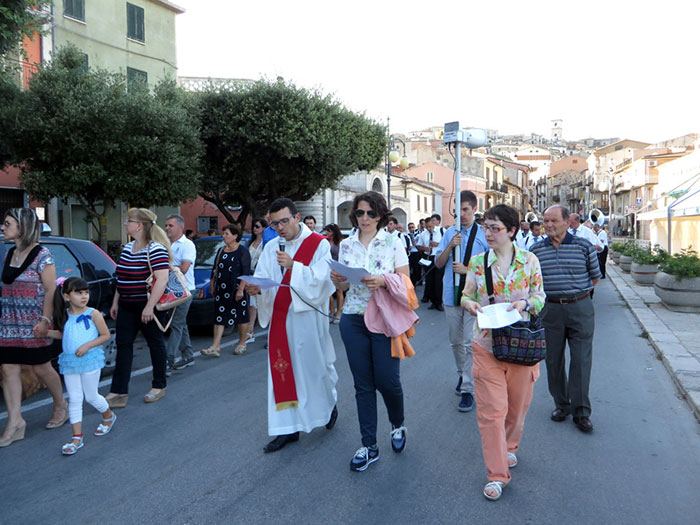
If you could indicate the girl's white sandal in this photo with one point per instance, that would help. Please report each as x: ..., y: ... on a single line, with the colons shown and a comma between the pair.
x: 497, y: 487
x: 102, y: 429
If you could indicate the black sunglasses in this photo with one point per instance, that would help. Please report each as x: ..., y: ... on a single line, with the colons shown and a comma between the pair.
x: 370, y: 213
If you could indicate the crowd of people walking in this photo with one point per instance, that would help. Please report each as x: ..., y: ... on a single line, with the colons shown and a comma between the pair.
x: 282, y: 279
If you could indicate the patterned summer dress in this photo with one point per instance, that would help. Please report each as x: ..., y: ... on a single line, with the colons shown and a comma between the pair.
x: 22, y: 308
x: 231, y: 266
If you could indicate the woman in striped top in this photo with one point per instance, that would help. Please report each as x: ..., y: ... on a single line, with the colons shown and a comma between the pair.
x: 133, y: 310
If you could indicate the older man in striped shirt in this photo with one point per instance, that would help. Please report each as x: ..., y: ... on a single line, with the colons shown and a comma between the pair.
x: 569, y: 271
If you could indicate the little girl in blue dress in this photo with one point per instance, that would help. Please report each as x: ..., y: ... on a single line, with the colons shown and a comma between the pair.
x: 83, y: 331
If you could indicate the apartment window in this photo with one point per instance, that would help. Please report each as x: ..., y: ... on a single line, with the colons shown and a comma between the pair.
x: 418, y: 201
x: 434, y: 207
x: 135, y: 28
x: 425, y: 203
x: 74, y: 9
x: 136, y: 75
x: 430, y: 176
x: 86, y: 62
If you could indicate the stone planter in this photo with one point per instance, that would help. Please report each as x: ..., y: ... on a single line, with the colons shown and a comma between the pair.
x: 625, y: 263
x: 679, y: 296
x: 616, y: 257
x: 644, y: 273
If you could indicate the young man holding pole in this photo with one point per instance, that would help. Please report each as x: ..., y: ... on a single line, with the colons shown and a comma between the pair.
x: 472, y: 241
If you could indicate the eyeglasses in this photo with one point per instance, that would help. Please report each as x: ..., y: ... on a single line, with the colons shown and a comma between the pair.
x: 493, y: 228
x: 257, y: 226
x: 283, y: 222
x: 131, y: 220
x: 370, y: 213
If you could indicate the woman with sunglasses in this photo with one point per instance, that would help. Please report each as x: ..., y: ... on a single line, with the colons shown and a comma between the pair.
x: 369, y: 354
x: 255, y: 247
x: 503, y: 390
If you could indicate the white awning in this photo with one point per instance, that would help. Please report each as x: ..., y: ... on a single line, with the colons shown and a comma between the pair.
x: 688, y: 207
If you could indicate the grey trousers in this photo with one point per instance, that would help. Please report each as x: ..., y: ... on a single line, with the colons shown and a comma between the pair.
x: 574, y: 324
x: 460, y: 325
x: 179, y: 338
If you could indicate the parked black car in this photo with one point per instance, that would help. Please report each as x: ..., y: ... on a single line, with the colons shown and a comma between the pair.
x: 75, y: 257
x: 202, y: 310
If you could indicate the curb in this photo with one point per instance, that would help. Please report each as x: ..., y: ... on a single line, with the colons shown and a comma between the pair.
x: 682, y: 366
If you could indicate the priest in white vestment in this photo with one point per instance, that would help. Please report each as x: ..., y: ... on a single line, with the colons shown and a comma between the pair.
x: 311, y: 400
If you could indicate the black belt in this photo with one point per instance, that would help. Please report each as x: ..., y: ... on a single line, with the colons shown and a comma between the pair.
x: 569, y: 299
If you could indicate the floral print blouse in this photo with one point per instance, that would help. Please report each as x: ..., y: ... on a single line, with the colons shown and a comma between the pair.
x: 384, y: 254
x: 524, y: 281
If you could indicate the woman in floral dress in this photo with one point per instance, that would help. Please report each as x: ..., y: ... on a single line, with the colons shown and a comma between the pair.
x: 28, y: 278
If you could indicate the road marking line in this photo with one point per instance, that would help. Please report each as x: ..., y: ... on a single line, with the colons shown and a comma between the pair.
x: 105, y: 382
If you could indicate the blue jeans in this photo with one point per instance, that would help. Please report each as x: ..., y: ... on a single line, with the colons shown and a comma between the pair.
x: 373, y: 368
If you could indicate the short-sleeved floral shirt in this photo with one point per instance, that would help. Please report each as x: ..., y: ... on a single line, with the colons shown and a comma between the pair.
x: 385, y: 253
x: 524, y: 281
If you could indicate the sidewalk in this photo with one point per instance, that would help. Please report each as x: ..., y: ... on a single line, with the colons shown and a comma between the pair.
x: 675, y: 336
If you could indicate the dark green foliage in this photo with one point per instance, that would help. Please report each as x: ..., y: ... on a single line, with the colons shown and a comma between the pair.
x: 270, y: 139
x: 81, y: 134
x: 650, y: 256
x: 683, y: 265
x: 19, y: 18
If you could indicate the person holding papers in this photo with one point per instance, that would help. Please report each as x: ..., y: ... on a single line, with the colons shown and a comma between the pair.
x: 301, y: 375
x: 373, y: 368
x: 503, y: 390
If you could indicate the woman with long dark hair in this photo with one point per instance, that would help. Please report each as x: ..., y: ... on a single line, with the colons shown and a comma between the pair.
x: 369, y: 354
x: 28, y: 278
x: 335, y: 237
x: 255, y: 248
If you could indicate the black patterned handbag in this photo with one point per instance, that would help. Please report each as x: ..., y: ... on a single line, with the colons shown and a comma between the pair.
x: 521, y: 343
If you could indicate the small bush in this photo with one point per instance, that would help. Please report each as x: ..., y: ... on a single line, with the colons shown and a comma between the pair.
x: 649, y: 256
x: 683, y: 265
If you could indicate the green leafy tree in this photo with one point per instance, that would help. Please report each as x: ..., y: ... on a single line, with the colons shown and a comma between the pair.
x: 269, y: 139
x: 20, y: 18
x: 82, y: 134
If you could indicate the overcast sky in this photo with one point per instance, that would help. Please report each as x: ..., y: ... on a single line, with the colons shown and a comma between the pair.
x: 607, y: 68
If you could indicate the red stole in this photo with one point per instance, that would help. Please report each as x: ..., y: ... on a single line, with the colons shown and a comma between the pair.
x: 283, y: 384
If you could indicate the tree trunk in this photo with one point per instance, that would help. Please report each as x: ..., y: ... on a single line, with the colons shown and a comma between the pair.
x: 220, y: 205
x: 108, y: 207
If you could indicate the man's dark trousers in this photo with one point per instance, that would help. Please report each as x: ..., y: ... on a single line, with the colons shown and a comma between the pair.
x: 433, y: 283
x: 573, y: 323
x: 415, y: 267
x: 602, y: 258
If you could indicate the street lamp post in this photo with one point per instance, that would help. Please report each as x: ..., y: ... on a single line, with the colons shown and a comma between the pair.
x: 392, y: 156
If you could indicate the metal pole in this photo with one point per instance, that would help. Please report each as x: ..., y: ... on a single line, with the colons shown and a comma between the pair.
x: 457, y: 253
x: 388, y: 166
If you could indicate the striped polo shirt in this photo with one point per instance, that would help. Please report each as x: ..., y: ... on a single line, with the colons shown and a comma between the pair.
x: 568, y: 270
x: 132, y: 270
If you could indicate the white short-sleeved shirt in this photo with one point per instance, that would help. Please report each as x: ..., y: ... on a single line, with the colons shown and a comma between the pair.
x: 425, y: 240
x: 586, y: 233
x: 384, y: 254
x: 184, y: 250
x: 602, y: 238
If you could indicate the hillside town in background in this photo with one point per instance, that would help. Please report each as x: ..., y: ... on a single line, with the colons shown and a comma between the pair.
x: 641, y: 188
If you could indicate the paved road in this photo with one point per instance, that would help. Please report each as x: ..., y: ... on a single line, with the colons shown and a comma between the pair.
x: 196, y: 456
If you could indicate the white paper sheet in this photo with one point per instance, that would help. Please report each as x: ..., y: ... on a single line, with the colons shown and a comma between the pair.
x: 263, y: 283
x: 353, y: 275
x: 425, y: 262
x: 496, y: 316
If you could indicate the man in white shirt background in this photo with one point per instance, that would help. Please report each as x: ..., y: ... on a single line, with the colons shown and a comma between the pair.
x: 602, y: 242
x: 428, y: 243
x: 184, y: 254
x: 535, y: 236
x: 578, y: 229
x: 521, y: 238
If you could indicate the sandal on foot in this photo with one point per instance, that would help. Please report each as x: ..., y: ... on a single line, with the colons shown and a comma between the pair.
x: 118, y: 401
x: 213, y: 352
x: 239, y: 350
x: 59, y: 422
x: 152, y: 397
x: 512, y: 460
x: 71, y: 448
x: 497, y: 487
x: 102, y: 429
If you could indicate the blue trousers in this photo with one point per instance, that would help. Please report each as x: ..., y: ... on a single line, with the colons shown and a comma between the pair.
x: 373, y: 368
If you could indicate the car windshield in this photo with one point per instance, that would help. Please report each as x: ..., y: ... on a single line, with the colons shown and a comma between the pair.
x: 206, y: 252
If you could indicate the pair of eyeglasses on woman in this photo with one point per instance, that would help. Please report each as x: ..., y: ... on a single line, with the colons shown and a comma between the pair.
x: 493, y: 228
x: 370, y: 213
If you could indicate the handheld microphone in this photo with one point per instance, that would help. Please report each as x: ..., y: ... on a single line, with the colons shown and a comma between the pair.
x: 283, y: 245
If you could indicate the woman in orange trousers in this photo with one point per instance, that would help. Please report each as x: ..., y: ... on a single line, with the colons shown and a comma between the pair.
x: 503, y: 390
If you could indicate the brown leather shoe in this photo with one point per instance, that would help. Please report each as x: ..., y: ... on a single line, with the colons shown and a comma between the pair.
x: 559, y: 414
x: 583, y: 423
